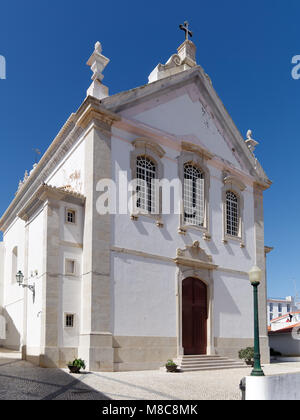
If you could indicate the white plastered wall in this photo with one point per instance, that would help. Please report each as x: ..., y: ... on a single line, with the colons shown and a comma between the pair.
x: 13, y: 296
x: 143, y: 235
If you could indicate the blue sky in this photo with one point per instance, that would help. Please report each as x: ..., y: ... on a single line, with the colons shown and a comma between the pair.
x: 245, y: 46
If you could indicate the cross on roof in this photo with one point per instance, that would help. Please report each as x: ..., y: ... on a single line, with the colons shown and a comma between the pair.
x: 185, y: 28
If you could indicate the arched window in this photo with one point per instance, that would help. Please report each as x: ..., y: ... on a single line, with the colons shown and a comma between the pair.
x: 14, y: 264
x: 193, y: 195
x: 145, y: 174
x: 232, y: 214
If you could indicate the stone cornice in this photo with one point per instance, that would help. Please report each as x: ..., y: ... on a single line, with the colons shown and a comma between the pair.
x: 47, y: 192
x: 91, y: 110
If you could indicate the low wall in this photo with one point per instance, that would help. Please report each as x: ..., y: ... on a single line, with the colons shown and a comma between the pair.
x: 285, y: 343
x: 274, y: 387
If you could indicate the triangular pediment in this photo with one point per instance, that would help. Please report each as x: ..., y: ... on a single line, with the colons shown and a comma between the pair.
x: 187, y: 107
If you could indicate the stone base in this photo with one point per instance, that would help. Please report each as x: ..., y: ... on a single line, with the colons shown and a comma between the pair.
x: 51, y: 357
x: 230, y: 347
x: 96, y: 350
x: 143, y: 353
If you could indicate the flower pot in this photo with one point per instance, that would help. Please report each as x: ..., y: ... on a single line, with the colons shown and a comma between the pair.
x: 172, y: 368
x: 74, y: 369
x: 249, y: 363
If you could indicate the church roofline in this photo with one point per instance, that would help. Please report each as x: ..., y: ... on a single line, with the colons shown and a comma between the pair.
x: 120, y: 101
x: 107, y: 111
x: 74, y: 127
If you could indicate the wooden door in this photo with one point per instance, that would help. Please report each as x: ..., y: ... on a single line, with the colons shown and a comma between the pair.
x: 194, y: 316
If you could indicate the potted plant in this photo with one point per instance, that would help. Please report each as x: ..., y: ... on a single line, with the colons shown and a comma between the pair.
x: 247, y: 355
x: 171, y: 366
x: 76, y: 365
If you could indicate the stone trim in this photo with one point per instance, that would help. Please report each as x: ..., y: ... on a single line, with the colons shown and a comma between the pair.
x: 46, y: 192
x: 142, y: 254
x: 234, y: 185
x: 146, y: 147
x: 198, y: 157
x: 206, y: 276
x: 228, y: 129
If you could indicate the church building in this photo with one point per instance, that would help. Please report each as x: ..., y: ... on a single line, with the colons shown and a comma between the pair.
x: 94, y: 264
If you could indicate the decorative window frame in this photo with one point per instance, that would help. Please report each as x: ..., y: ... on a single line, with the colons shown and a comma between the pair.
x: 151, y: 150
x: 233, y: 184
x: 199, y: 160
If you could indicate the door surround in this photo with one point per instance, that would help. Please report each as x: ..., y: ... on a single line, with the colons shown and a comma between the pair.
x: 201, y: 268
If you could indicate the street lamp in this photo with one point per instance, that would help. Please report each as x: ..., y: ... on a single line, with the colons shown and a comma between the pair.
x: 255, y: 276
x: 20, y: 279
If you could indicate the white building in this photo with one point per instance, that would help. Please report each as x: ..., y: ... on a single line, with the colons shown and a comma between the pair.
x: 279, y: 307
x: 132, y: 289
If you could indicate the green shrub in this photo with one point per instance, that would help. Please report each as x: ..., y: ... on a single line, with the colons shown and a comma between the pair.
x: 247, y: 354
x: 170, y: 362
x: 78, y: 362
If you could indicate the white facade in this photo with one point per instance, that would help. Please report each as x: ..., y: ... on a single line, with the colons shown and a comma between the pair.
x: 125, y: 294
x: 280, y: 307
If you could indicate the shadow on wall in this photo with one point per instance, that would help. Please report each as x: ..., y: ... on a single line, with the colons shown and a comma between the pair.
x: 13, y: 337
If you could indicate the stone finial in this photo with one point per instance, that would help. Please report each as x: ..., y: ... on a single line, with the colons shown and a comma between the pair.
x: 251, y: 143
x: 97, y: 62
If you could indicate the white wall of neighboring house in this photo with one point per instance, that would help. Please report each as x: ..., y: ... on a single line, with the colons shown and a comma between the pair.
x: 280, y: 307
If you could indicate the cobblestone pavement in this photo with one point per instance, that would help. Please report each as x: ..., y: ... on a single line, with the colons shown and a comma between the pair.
x: 20, y: 380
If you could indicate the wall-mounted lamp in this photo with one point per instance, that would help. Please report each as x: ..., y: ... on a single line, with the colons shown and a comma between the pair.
x: 31, y: 287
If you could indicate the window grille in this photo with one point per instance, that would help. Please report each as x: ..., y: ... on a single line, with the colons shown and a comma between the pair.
x: 70, y: 216
x: 145, y: 174
x: 69, y: 320
x: 193, y: 195
x: 232, y: 214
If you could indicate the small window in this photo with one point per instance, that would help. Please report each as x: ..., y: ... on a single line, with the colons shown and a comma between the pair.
x: 271, y: 316
x: 70, y: 267
x: 69, y: 320
x: 279, y: 309
x: 271, y: 307
x: 288, y: 308
x: 70, y: 216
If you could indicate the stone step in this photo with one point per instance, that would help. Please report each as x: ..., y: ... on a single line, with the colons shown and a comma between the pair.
x: 218, y: 363
x: 219, y: 367
x: 202, y: 359
x: 189, y: 363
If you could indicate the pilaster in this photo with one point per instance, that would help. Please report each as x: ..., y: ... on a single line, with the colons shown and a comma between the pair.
x: 96, y: 346
x: 50, y: 294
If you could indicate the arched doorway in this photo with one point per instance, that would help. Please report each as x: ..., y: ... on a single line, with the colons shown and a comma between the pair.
x: 194, y: 316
